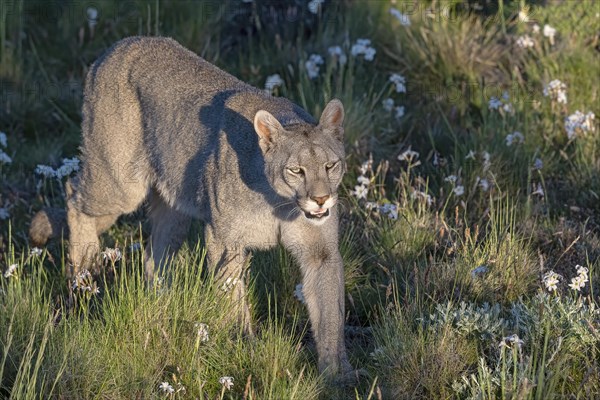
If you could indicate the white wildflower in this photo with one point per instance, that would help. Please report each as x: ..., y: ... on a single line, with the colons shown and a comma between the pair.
x: 525, y: 42
x: 299, y: 294
x: 408, y: 155
x: 202, y: 331
x: 312, y: 65
x: 391, y: 210
x: 10, y: 271
x: 166, y: 387
x: 363, y: 180
x: 388, y: 104
x: 272, y: 82
x: 363, y: 47
x: 69, y: 166
x: 337, y: 52
x: 582, y: 271
x: 112, y: 255
x: 459, y: 190
x: 226, y: 381
x: 524, y: 14
x: 494, y: 103
x: 557, y: 91
x: 539, y: 191
x: 535, y: 29
x: 402, y: 18
x: 366, y: 166
x: 399, y: 81
x: 510, y: 341
x: 36, y: 252
x: 399, y: 112
x: 487, y: 163
x: 92, y: 17
x: 549, y: 32
x: 4, y: 214
x: 550, y: 280
x: 577, y: 283
x: 483, y: 183
x: 422, y: 196
x: 360, y: 192
x: 451, y: 178
x: 579, y: 123
x: 45, y: 170
x: 471, y: 155
x: 538, y: 164
x: 314, y: 5
x: 4, y: 158
x: 3, y: 139
x: 515, y: 137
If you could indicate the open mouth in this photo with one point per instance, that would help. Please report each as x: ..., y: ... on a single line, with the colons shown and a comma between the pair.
x: 316, y: 214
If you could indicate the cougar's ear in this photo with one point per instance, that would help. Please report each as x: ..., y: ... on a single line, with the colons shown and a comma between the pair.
x: 333, y: 118
x: 267, y: 127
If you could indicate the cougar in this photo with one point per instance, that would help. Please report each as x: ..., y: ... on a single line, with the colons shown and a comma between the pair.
x: 163, y: 126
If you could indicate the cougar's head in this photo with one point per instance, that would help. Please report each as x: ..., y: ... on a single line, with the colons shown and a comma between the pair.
x: 303, y: 162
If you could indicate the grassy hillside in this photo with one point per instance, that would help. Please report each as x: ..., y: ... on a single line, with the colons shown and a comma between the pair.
x: 470, y: 212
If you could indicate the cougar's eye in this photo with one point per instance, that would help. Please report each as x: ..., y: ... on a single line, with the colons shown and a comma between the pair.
x: 330, y: 165
x: 296, y: 170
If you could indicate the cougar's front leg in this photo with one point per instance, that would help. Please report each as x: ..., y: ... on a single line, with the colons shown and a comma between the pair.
x: 229, y: 263
x: 323, y: 289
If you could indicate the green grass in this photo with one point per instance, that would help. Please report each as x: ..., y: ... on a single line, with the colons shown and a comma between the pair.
x: 434, y: 295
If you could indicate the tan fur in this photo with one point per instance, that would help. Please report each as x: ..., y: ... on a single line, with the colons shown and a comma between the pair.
x: 164, y: 126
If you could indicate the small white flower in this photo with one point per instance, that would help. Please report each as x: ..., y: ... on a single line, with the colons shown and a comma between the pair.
x: 524, y: 15
x: 388, y: 104
x: 451, y: 178
x: 166, y: 387
x: 471, y: 155
x: 69, y: 166
x: 226, y: 381
x: 494, y: 103
x: 550, y: 280
x: 4, y: 158
x: 582, y: 271
x: 4, y: 214
x: 10, y: 271
x: 312, y: 65
x: 314, y: 5
x: 402, y: 18
x: 299, y: 294
x: 459, y: 190
x: 408, y: 155
x: 515, y: 137
x: 399, y: 81
x: 483, y: 183
x: 539, y: 191
x: 577, y: 283
x: 45, y: 170
x: 92, y: 16
x: 391, y: 210
x: 272, y: 82
x: 337, y: 52
x: 363, y: 47
x: 535, y: 28
x: 525, y: 42
x: 538, y: 164
x: 366, y: 166
x: 487, y: 163
x: 510, y: 341
x: 3, y: 141
x: 112, y: 255
x: 371, y: 205
x: 36, y: 252
x: 549, y: 32
x: 363, y: 180
x: 202, y: 331
x: 399, y: 112
x: 360, y: 192
x: 579, y: 123
x: 557, y: 91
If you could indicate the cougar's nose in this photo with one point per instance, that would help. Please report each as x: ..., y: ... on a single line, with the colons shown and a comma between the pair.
x: 320, y: 200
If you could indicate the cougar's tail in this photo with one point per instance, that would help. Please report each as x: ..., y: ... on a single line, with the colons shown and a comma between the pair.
x: 47, y: 224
